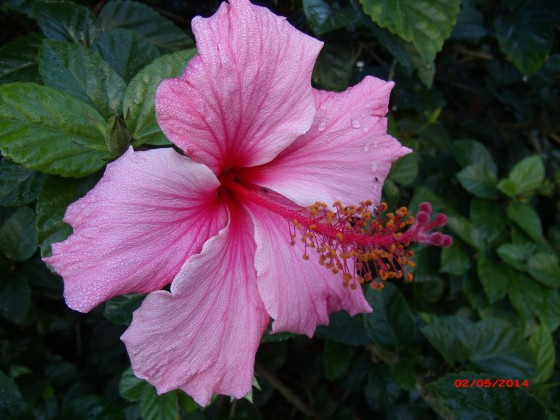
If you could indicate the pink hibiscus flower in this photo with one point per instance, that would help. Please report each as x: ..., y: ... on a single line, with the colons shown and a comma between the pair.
x: 264, y: 150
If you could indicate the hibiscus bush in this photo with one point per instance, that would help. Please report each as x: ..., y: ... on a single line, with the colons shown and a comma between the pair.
x: 99, y: 198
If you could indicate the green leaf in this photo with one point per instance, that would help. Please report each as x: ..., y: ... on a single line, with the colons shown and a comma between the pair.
x: 345, y: 329
x: 427, y: 264
x: 323, y: 18
x: 21, y: 6
x: 336, y: 358
x: 405, y: 53
x: 526, y: 296
x: 550, y: 309
x: 52, y: 202
x: 391, y: 323
x: 127, y: 52
x: 485, y: 403
x: 471, y: 152
x: 120, y: 308
x: 71, y: 144
x: 11, y: 400
x: 526, y: 176
x: 429, y: 291
x: 525, y: 38
x: 391, y: 192
x: 422, y: 194
x: 489, y: 219
x: 66, y: 21
x: 142, y: 19
x: 545, y: 268
x: 18, y: 60
x: 527, y: 219
x: 465, y: 230
x: 130, y: 387
x: 544, y: 352
x: 15, y: 297
x: 517, y: 255
x: 470, y: 24
x: 333, y: 68
x: 380, y: 387
x: 405, y: 169
x: 269, y: 337
x: 18, y: 185
x: 40, y: 276
x: 18, y: 235
x: 493, y: 346
x: 138, y: 101
x: 508, y: 187
x: 83, y: 74
x: 425, y: 23
x: 403, y: 373
x: 479, y: 180
x: 454, y: 260
x: 157, y: 407
x: 495, y: 278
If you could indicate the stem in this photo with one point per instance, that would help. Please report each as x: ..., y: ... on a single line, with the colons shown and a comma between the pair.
x: 284, y: 390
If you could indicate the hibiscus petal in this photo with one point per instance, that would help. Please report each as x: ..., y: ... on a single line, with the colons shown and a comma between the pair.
x: 203, y: 336
x: 136, y: 228
x: 298, y: 294
x: 345, y: 156
x: 247, y: 95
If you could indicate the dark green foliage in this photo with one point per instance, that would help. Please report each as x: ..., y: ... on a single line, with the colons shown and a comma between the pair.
x: 476, y: 98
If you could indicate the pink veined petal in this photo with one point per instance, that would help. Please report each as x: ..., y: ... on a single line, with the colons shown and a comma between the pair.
x: 346, y: 155
x: 247, y: 95
x: 202, y: 337
x: 136, y: 228
x: 299, y: 295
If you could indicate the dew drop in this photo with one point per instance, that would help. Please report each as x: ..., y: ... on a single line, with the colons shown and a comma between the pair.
x: 365, y: 130
x: 525, y: 77
x: 356, y: 124
x: 374, y: 166
x: 322, y: 125
x: 366, y: 147
x: 394, y: 108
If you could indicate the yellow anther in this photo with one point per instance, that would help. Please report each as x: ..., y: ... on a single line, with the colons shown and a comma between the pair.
x: 339, y: 236
x: 305, y: 257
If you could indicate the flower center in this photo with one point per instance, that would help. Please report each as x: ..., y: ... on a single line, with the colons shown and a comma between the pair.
x: 364, y: 243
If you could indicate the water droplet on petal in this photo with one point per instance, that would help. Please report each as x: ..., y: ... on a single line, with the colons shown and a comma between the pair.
x: 356, y: 124
x: 365, y: 130
x: 366, y: 147
x: 374, y: 166
x: 322, y: 125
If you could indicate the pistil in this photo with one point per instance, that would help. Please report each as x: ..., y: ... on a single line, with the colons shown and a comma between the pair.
x: 364, y: 243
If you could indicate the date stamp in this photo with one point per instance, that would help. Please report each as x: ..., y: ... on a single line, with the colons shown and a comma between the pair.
x: 491, y: 383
